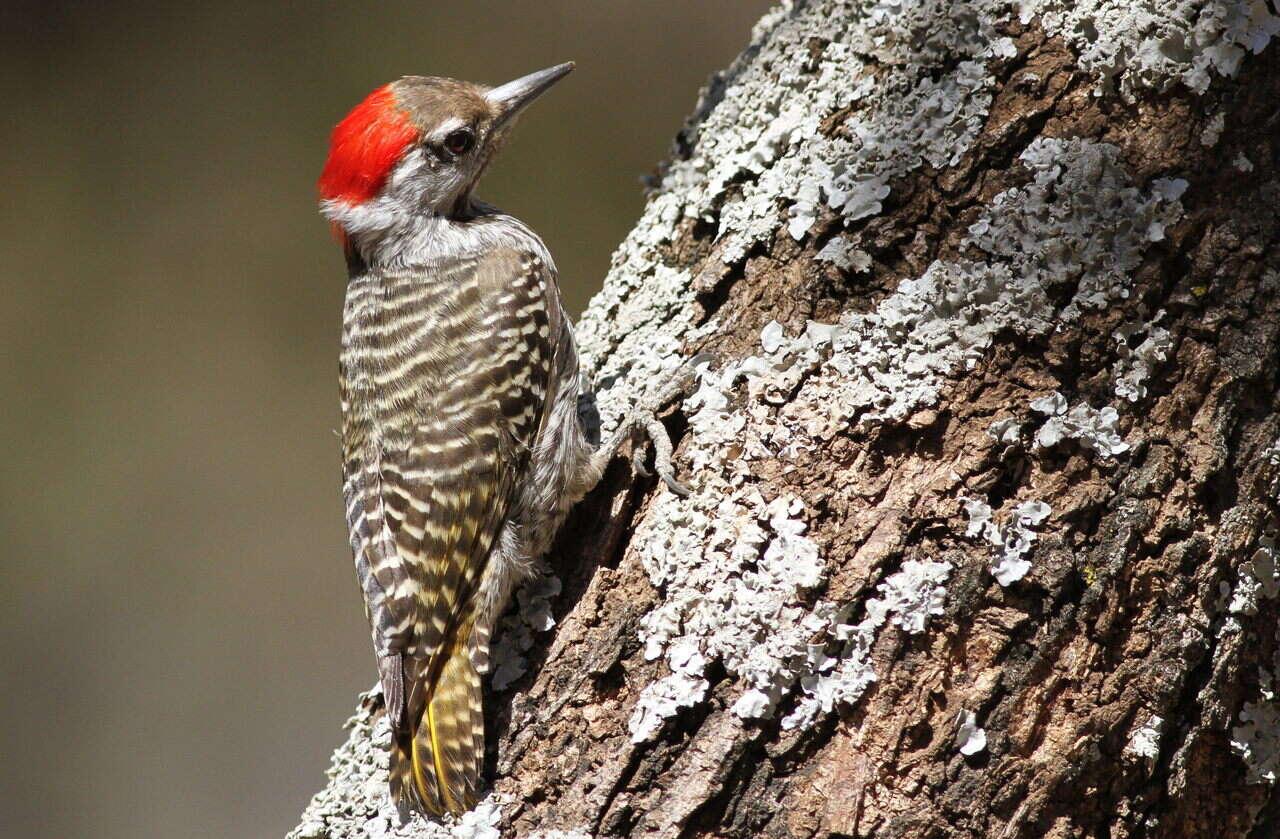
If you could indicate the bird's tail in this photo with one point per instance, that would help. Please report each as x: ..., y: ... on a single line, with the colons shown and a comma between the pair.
x: 436, y: 761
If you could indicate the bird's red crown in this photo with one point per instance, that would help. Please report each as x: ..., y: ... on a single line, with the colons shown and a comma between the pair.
x: 364, y: 147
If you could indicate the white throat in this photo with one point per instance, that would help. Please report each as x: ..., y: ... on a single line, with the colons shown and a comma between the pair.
x: 392, y: 238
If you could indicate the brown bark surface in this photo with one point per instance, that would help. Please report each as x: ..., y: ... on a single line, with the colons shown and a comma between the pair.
x: 1125, y: 611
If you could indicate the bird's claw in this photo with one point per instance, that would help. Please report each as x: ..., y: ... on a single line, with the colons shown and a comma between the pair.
x: 645, y: 419
x: 675, y: 486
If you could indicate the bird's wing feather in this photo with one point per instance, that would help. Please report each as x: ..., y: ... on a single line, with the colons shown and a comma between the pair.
x: 457, y: 377
x: 451, y: 487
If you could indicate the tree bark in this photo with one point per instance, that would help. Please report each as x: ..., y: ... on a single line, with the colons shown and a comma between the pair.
x: 985, y: 477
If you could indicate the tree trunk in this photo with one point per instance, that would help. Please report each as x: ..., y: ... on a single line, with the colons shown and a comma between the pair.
x: 985, y: 477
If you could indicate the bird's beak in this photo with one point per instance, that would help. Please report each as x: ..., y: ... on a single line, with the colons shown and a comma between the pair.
x: 512, y: 97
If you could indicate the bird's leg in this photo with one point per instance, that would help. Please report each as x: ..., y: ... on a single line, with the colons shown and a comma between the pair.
x: 644, y: 417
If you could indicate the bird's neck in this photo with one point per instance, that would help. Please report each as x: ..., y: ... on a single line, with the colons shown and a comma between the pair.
x: 389, y: 238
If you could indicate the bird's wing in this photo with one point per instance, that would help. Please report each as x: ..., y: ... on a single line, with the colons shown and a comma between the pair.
x: 461, y: 385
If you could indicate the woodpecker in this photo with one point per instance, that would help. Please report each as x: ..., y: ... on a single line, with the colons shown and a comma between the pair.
x: 467, y: 428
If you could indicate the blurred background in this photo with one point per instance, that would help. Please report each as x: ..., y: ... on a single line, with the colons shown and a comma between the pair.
x: 182, y: 635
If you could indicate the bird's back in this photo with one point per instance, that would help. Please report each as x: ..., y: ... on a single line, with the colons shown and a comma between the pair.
x: 446, y: 371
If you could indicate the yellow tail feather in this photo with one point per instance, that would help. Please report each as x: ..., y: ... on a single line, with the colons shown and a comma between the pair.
x: 437, y: 768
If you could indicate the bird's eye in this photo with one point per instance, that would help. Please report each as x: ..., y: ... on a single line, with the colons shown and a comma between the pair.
x: 460, y: 141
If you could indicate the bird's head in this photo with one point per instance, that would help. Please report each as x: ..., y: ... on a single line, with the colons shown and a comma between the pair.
x: 417, y: 147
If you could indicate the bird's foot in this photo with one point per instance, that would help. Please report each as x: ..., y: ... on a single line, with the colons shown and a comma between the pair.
x: 644, y: 419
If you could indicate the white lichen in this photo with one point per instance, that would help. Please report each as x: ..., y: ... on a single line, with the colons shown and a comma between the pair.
x: 1039, y: 232
x: 1145, y: 742
x: 979, y: 513
x: 1136, y: 363
x: 758, y: 564
x: 1150, y: 44
x: 684, y: 688
x: 1242, y: 163
x: 740, y: 565
x: 515, y: 635
x: 970, y: 739
x: 1257, y: 738
x: 481, y: 822
x: 842, y: 253
x: 1213, y: 130
x: 1271, y: 455
x: 1007, y: 430
x: 1092, y: 428
x: 913, y: 594
x: 831, y: 677
x: 1011, y: 541
x: 1256, y: 580
x: 763, y: 138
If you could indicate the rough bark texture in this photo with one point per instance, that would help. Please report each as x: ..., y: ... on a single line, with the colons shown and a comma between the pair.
x: 985, y: 478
